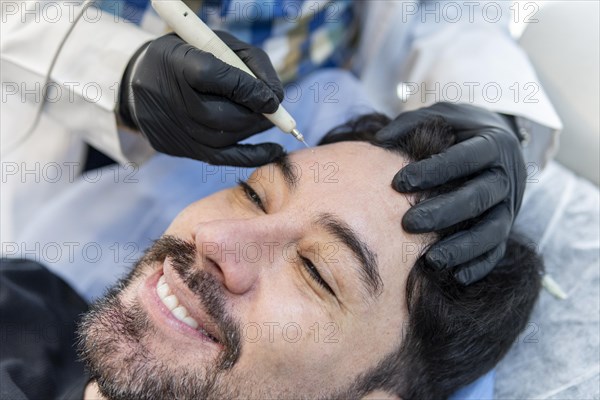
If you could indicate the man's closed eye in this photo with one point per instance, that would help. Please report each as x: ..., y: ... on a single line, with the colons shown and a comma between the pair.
x: 252, y: 195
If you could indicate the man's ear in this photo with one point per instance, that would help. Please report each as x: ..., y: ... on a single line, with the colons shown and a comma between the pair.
x: 381, y: 395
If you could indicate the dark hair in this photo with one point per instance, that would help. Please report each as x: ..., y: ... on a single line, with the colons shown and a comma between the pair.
x: 454, y: 333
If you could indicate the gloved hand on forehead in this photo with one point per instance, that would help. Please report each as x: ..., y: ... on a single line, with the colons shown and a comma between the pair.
x: 188, y: 103
x: 488, y: 151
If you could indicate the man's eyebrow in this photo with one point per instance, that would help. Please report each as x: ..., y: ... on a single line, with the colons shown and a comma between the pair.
x: 367, y: 259
x: 290, y: 175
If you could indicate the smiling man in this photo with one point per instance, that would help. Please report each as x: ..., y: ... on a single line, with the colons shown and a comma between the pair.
x: 320, y: 274
x: 293, y: 285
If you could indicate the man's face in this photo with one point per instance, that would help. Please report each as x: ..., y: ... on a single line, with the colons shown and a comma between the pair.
x: 295, y: 281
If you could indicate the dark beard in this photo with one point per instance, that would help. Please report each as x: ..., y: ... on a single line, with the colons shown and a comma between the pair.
x: 113, y: 338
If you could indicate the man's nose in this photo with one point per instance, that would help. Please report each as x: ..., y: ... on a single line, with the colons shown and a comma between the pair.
x: 236, y: 250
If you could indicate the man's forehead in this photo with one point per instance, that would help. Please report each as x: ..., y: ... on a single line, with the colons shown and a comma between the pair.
x: 348, y: 169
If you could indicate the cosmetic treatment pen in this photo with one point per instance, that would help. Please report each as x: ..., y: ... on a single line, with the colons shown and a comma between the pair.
x: 195, y: 32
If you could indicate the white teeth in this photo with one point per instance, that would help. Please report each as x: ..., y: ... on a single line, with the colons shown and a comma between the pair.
x: 190, y: 321
x: 179, y: 312
x: 163, y: 290
x: 172, y: 303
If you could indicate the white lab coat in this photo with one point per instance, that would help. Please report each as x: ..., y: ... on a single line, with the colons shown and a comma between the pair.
x: 396, y: 48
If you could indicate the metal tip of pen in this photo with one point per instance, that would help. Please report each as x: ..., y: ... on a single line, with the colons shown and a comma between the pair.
x: 296, y: 133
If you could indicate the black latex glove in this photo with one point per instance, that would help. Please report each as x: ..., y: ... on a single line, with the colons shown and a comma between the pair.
x: 188, y: 103
x: 488, y: 148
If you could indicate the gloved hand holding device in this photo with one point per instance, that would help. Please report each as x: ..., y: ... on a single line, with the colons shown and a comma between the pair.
x: 188, y: 103
x: 488, y: 150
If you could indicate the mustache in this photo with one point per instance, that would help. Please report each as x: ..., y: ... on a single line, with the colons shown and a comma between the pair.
x: 204, y: 286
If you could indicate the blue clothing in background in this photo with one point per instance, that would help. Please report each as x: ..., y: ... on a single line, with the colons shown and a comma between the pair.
x: 300, y: 35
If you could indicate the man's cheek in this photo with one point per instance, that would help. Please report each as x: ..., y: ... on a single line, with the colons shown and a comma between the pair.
x: 184, y: 223
x: 280, y: 361
x: 288, y: 345
x: 215, y: 207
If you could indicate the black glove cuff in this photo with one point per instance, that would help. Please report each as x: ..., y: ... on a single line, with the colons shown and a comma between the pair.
x: 125, y: 94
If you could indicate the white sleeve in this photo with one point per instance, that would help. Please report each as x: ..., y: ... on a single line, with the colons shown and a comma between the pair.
x: 463, y: 52
x: 89, y: 60
x: 413, y: 54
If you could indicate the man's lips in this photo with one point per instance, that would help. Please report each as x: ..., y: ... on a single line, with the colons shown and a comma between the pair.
x: 178, y: 310
x: 178, y: 306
